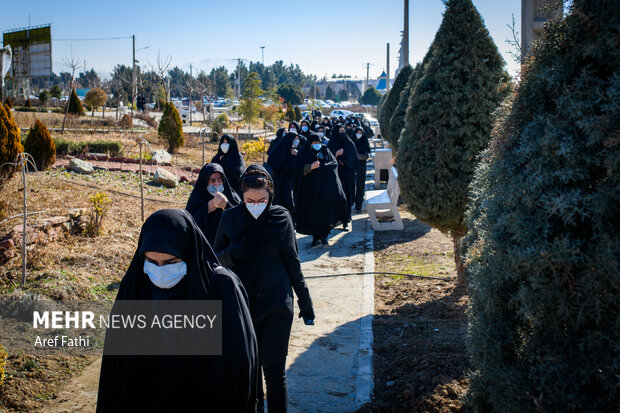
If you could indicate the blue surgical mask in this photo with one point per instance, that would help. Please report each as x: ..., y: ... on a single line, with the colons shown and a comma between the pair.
x: 165, y: 276
x: 293, y: 130
x: 321, y: 134
x: 295, y: 143
x: 316, y: 146
x: 358, y: 135
x: 215, y: 188
x: 256, y: 209
x: 304, y: 128
x: 225, y: 147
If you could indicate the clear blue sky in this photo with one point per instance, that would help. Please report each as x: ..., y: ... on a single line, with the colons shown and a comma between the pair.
x: 323, y: 37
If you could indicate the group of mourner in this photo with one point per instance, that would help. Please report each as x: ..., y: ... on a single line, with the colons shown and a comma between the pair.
x: 235, y: 242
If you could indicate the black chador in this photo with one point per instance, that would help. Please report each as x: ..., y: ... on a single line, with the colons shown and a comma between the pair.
x: 279, y: 134
x: 263, y: 251
x: 198, y: 202
x: 282, y: 163
x: 319, y: 198
x: 347, y: 165
x: 225, y: 383
x: 231, y: 160
x: 363, y: 153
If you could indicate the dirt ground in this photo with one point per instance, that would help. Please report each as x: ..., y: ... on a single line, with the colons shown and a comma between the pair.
x: 420, y: 359
x: 77, y: 267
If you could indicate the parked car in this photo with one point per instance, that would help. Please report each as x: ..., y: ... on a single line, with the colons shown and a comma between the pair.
x: 339, y: 112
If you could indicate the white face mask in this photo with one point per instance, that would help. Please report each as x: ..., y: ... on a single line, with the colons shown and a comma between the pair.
x: 224, y: 147
x: 295, y: 143
x: 256, y: 209
x: 304, y: 128
x: 166, y: 276
x: 215, y: 188
x: 316, y: 146
x: 293, y: 130
x: 358, y: 135
x: 321, y: 134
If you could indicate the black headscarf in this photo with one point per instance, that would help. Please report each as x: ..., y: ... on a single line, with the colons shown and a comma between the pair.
x: 362, y: 145
x: 232, y: 161
x: 272, y: 144
x: 201, y: 196
x: 197, y: 205
x: 184, y: 383
x: 272, y: 226
x: 297, y: 127
x: 308, y: 132
x: 341, y: 140
x: 281, y: 153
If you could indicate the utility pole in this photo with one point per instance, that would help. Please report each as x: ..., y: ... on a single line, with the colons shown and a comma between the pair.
x: 262, y: 50
x: 406, y: 36
x: 367, y: 75
x: 387, y: 72
x: 191, y: 79
x: 133, y: 78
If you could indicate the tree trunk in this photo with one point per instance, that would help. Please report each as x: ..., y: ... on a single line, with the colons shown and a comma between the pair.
x: 458, y: 261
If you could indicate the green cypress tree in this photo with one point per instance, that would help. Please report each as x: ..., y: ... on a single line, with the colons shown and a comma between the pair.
x: 390, y: 103
x: 40, y: 145
x: 290, y: 113
x: 449, y: 120
x: 397, y: 121
x: 170, y: 128
x: 10, y: 143
x: 75, y: 106
x: 297, y: 113
x: 543, y: 247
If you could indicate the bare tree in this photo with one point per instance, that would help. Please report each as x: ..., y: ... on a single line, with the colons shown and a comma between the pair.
x: 162, y: 67
x: 73, y: 64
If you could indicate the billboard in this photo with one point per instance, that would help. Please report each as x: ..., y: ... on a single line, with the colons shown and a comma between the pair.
x: 32, y: 51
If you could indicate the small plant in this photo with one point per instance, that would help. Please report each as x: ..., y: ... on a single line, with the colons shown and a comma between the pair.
x: 40, y: 145
x: 171, y: 129
x: 253, y: 150
x: 125, y: 122
x: 3, y: 356
x: 100, y: 204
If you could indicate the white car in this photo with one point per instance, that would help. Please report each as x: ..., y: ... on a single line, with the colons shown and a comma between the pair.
x: 338, y: 112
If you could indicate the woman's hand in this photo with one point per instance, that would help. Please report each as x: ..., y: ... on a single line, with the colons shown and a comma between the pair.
x: 294, y: 152
x: 315, y: 165
x: 220, y: 200
x: 339, y: 152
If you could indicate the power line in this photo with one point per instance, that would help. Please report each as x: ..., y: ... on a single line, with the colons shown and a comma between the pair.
x: 92, y: 39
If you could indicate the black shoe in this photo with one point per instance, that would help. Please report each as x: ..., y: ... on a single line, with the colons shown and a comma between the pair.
x: 315, y: 243
x: 358, y: 210
x: 324, y: 242
x: 345, y: 227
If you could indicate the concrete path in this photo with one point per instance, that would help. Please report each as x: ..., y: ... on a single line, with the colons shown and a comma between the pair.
x: 329, y: 366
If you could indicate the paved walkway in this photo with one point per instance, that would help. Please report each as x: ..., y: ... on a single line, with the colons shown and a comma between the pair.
x: 329, y: 364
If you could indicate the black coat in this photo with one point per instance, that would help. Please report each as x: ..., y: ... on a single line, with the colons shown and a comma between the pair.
x: 183, y: 383
x: 319, y: 198
x: 263, y: 252
x: 232, y: 162
x: 198, y: 201
x: 282, y: 163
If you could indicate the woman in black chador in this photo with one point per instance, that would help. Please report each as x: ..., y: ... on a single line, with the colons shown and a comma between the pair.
x: 346, y: 154
x: 282, y: 162
x: 320, y: 202
x: 231, y: 160
x: 363, y: 153
x: 257, y: 240
x: 174, y: 262
x: 279, y: 134
x: 212, y: 194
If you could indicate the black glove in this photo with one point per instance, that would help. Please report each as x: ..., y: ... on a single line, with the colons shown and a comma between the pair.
x: 239, y: 250
x: 306, y: 311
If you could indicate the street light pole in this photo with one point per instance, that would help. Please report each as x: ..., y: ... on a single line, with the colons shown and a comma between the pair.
x: 133, y: 79
x: 262, y: 49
